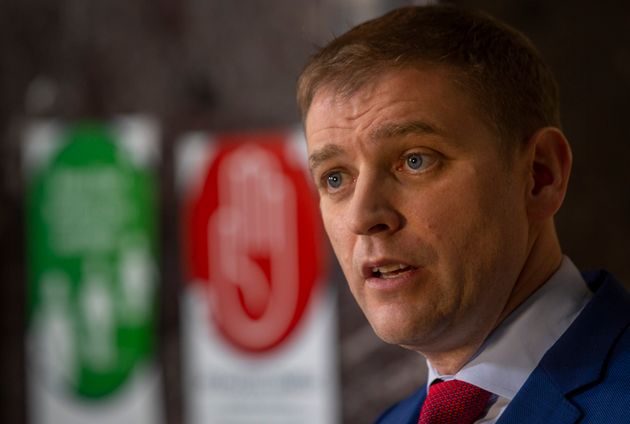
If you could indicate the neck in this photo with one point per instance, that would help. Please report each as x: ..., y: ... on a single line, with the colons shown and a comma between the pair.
x: 542, y: 261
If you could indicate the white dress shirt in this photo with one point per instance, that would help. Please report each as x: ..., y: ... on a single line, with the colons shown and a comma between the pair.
x: 512, y: 351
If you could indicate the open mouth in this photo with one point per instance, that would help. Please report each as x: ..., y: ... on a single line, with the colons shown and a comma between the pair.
x: 390, y: 271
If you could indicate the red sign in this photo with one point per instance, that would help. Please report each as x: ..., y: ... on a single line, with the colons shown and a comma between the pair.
x: 254, y: 240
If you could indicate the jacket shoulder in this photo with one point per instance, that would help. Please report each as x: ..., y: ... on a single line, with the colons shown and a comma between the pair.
x: 608, y: 399
x: 404, y: 412
x: 591, y: 362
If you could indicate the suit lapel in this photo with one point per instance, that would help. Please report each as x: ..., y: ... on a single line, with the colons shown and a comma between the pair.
x: 538, y: 402
x: 577, y: 359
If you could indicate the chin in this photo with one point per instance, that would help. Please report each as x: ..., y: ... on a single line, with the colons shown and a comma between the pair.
x: 409, y: 330
x: 393, y: 332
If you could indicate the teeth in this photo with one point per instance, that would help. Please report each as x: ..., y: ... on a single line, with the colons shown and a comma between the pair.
x: 388, y: 268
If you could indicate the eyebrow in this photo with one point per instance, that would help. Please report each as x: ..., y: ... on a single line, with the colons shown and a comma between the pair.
x: 391, y: 130
x: 327, y: 152
x: 385, y: 131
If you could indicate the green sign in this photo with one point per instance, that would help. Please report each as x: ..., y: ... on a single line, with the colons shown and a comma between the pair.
x: 91, y: 226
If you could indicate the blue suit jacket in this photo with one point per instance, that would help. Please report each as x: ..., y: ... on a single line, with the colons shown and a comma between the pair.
x: 584, y: 377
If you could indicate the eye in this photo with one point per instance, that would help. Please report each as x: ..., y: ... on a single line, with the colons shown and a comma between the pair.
x: 334, y: 180
x: 414, y: 161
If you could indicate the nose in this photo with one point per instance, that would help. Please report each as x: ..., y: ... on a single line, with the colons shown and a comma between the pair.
x: 372, y: 210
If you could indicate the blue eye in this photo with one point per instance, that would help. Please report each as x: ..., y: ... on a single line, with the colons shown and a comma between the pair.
x: 334, y: 180
x: 415, y: 161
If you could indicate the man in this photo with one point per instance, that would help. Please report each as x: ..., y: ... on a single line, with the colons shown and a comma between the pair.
x: 434, y: 140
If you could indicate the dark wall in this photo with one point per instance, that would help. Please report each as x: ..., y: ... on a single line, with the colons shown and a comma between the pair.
x: 221, y: 65
x: 588, y: 46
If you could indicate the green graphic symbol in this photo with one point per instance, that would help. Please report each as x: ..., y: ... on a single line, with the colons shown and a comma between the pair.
x: 92, y: 271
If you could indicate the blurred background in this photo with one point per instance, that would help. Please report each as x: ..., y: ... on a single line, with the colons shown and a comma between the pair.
x: 220, y: 66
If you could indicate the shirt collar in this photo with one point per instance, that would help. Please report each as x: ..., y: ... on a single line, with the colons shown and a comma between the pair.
x: 513, y: 350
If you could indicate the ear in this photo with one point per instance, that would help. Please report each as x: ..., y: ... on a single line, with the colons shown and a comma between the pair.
x: 549, y: 166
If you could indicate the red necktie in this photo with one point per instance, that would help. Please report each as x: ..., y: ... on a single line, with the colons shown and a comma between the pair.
x: 453, y: 402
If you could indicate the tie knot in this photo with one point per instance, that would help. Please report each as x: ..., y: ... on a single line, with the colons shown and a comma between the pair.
x: 453, y: 402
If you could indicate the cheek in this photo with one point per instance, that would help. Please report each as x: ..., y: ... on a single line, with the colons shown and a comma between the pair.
x: 444, y: 215
x: 338, y: 235
x: 482, y: 232
x: 331, y: 225
x: 461, y: 221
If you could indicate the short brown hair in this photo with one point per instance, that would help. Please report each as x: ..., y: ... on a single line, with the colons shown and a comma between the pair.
x: 500, y: 67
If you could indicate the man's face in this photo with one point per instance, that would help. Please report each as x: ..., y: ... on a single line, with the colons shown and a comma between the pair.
x: 425, y: 212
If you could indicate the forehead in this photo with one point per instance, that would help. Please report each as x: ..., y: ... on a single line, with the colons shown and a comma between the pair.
x: 431, y: 95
